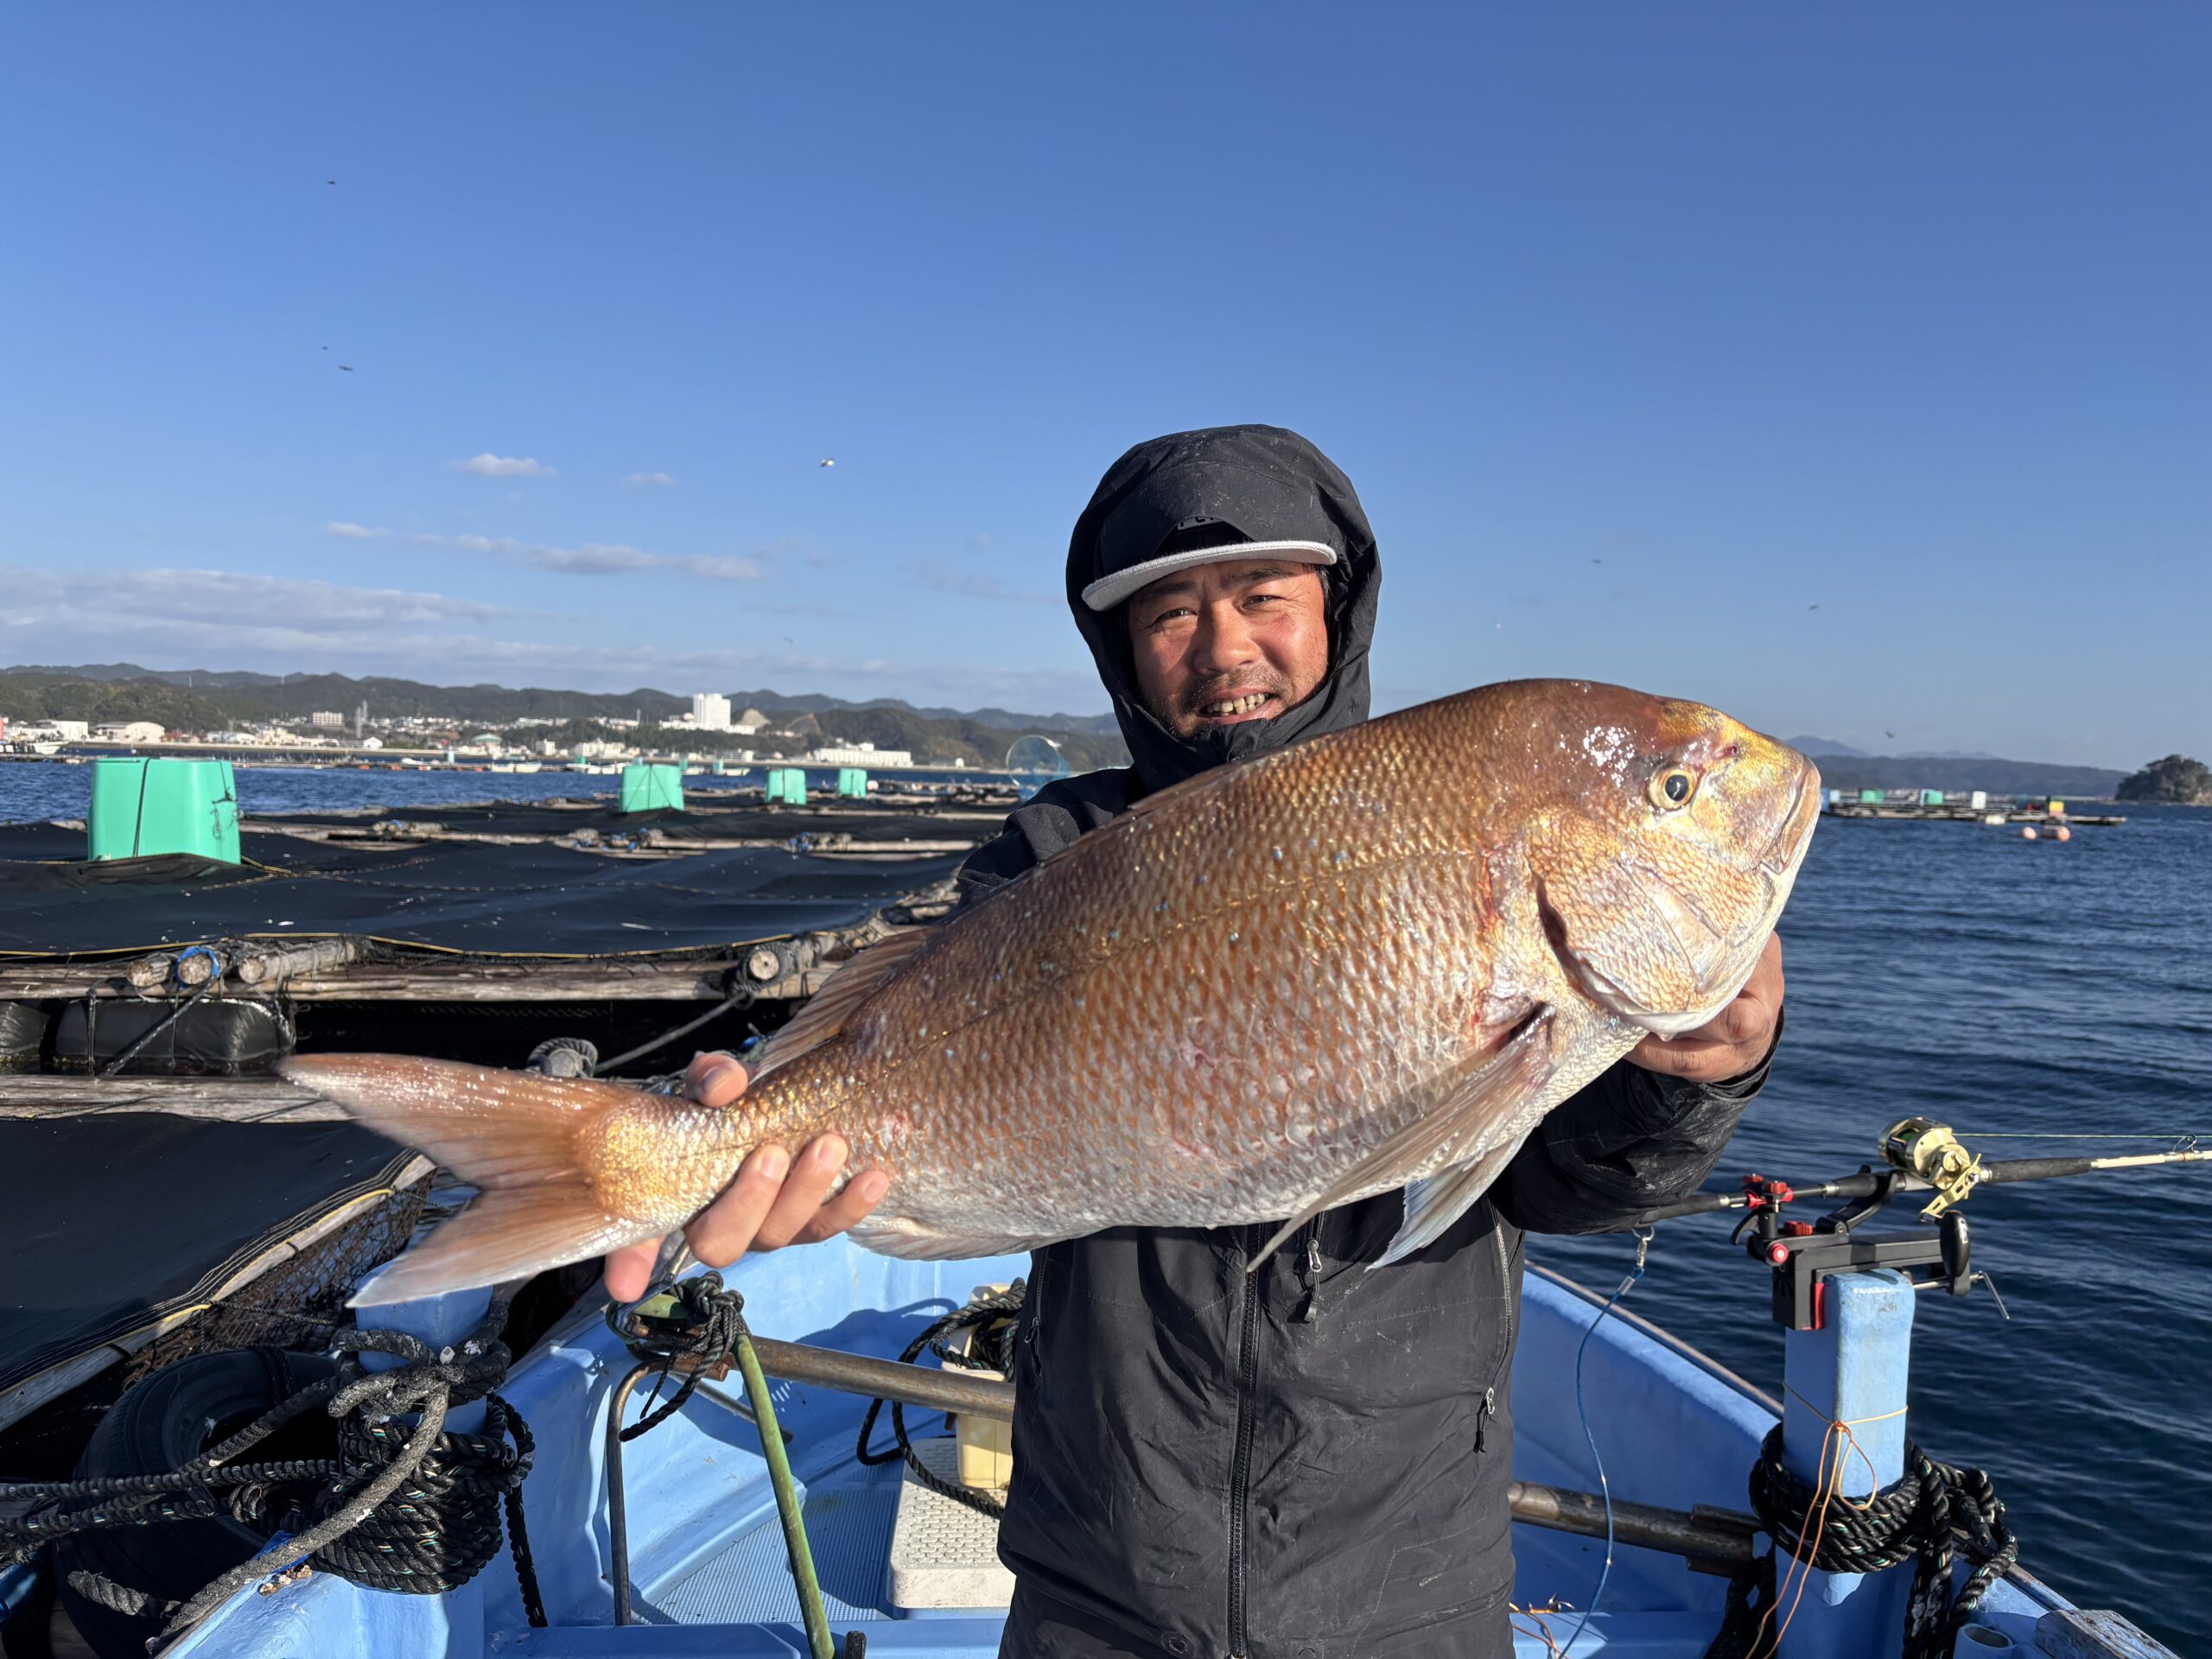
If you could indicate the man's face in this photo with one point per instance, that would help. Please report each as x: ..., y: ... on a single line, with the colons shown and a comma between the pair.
x: 1221, y: 644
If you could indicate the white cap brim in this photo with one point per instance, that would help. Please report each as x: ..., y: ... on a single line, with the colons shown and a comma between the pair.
x: 1110, y: 591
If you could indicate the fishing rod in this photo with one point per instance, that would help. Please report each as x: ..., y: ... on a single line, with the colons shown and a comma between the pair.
x: 1950, y: 1170
x: 1918, y: 1155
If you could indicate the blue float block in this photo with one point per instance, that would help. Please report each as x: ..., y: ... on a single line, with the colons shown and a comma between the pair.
x: 1853, y: 1370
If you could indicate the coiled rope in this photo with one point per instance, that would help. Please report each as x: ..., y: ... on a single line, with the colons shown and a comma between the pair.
x: 1930, y: 1515
x: 991, y: 1318
x: 409, y: 1507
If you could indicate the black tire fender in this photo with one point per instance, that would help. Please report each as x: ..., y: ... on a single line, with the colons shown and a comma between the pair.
x: 159, y: 1424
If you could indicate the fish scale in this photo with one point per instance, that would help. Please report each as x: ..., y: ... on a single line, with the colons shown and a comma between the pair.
x: 1355, y: 963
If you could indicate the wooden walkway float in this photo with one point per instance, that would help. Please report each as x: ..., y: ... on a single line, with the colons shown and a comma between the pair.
x: 1997, y: 814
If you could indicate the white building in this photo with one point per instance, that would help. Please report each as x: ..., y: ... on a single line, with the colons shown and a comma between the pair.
x: 131, y: 731
x: 57, y: 731
x: 860, y: 754
x: 710, y: 711
x: 324, y: 720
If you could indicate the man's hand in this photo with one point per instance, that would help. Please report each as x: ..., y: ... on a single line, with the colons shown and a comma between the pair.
x: 1735, y: 1041
x: 772, y: 1203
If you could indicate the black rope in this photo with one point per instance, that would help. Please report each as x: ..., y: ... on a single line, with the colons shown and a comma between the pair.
x: 991, y: 1319
x: 1930, y: 1515
x: 740, y: 996
x: 405, y: 1506
x: 704, y: 1330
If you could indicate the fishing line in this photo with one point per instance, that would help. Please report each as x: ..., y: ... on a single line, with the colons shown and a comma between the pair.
x: 1581, y: 1410
x: 2185, y: 1136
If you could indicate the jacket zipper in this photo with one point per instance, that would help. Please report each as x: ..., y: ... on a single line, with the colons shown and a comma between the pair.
x: 1489, y: 1394
x: 1310, y: 1310
x: 1240, y: 1476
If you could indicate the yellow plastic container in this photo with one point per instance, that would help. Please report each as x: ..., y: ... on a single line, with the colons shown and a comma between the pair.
x: 986, y: 1445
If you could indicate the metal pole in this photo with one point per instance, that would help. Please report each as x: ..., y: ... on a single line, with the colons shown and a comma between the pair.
x: 1717, y: 1538
x: 618, y: 1507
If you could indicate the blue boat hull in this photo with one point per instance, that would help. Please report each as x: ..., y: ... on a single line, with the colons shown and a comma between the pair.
x: 706, y: 1557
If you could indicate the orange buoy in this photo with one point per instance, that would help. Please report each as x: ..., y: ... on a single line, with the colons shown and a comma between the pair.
x: 2062, y: 833
x: 2029, y: 833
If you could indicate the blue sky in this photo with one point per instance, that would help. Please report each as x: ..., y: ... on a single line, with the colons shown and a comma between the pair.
x: 1642, y: 330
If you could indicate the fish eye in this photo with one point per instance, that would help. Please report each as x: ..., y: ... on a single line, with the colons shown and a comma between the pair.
x: 1673, y: 788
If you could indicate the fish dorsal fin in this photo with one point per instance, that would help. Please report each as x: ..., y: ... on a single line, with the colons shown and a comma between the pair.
x: 1517, y: 1069
x: 825, y: 1014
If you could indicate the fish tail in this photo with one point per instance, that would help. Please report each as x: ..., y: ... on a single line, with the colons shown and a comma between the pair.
x: 518, y: 1136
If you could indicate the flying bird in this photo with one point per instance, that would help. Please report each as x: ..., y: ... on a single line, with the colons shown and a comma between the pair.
x: 828, y: 461
x: 1889, y: 733
x: 345, y: 368
x: 1814, y: 605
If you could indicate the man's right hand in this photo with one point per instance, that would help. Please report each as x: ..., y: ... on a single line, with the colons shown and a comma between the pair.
x: 772, y: 1202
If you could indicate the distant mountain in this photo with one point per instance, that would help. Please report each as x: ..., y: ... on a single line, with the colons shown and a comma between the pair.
x: 1817, y: 747
x: 304, y: 693
x: 1945, y: 754
x: 1997, y: 776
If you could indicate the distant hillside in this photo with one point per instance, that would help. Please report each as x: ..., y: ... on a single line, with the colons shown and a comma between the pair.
x: 1997, y: 776
x: 2177, y: 779
x: 268, y: 696
x: 202, y: 700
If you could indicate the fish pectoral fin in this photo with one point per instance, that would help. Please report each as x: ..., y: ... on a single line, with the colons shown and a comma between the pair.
x: 915, y: 1242
x: 1519, y: 1068
x: 1434, y: 1202
x: 824, y: 1014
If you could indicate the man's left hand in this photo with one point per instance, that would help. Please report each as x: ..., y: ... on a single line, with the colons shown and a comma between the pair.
x: 1733, y: 1042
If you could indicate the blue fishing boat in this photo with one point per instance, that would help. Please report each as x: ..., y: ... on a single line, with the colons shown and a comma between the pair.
x: 741, y: 1522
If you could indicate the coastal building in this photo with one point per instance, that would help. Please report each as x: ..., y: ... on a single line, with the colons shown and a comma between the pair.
x: 860, y: 754
x: 710, y: 711
x: 326, y: 720
x: 56, y: 731
x: 129, y: 731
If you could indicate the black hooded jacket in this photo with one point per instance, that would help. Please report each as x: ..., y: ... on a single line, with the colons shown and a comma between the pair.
x: 1216, y: 1463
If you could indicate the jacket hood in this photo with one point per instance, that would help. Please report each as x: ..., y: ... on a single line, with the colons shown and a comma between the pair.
x: 1246, y: 484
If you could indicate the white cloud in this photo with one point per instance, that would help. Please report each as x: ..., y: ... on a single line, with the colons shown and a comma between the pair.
x: 228, y: 610
x: 353, y: 532
x: 942, y: 578
x: 279, y: 624
x: 489, y: 464
x: 598, y: 558
x: 650, y: 481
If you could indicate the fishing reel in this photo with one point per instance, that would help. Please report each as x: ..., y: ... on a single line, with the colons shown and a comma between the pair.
x: 1805, y: 1254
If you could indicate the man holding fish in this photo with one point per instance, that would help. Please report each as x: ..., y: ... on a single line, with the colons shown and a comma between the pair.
x: 1216, y: 1463
x: 1270, y: 1065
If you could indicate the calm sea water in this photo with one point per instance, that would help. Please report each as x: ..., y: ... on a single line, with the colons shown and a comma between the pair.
x: 1956, y: 972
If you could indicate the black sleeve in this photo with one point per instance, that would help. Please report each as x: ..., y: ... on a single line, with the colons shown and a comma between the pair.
x: 1629, y: 1143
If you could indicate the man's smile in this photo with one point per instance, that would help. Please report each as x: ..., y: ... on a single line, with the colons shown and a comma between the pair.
x: 1238, y: 706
